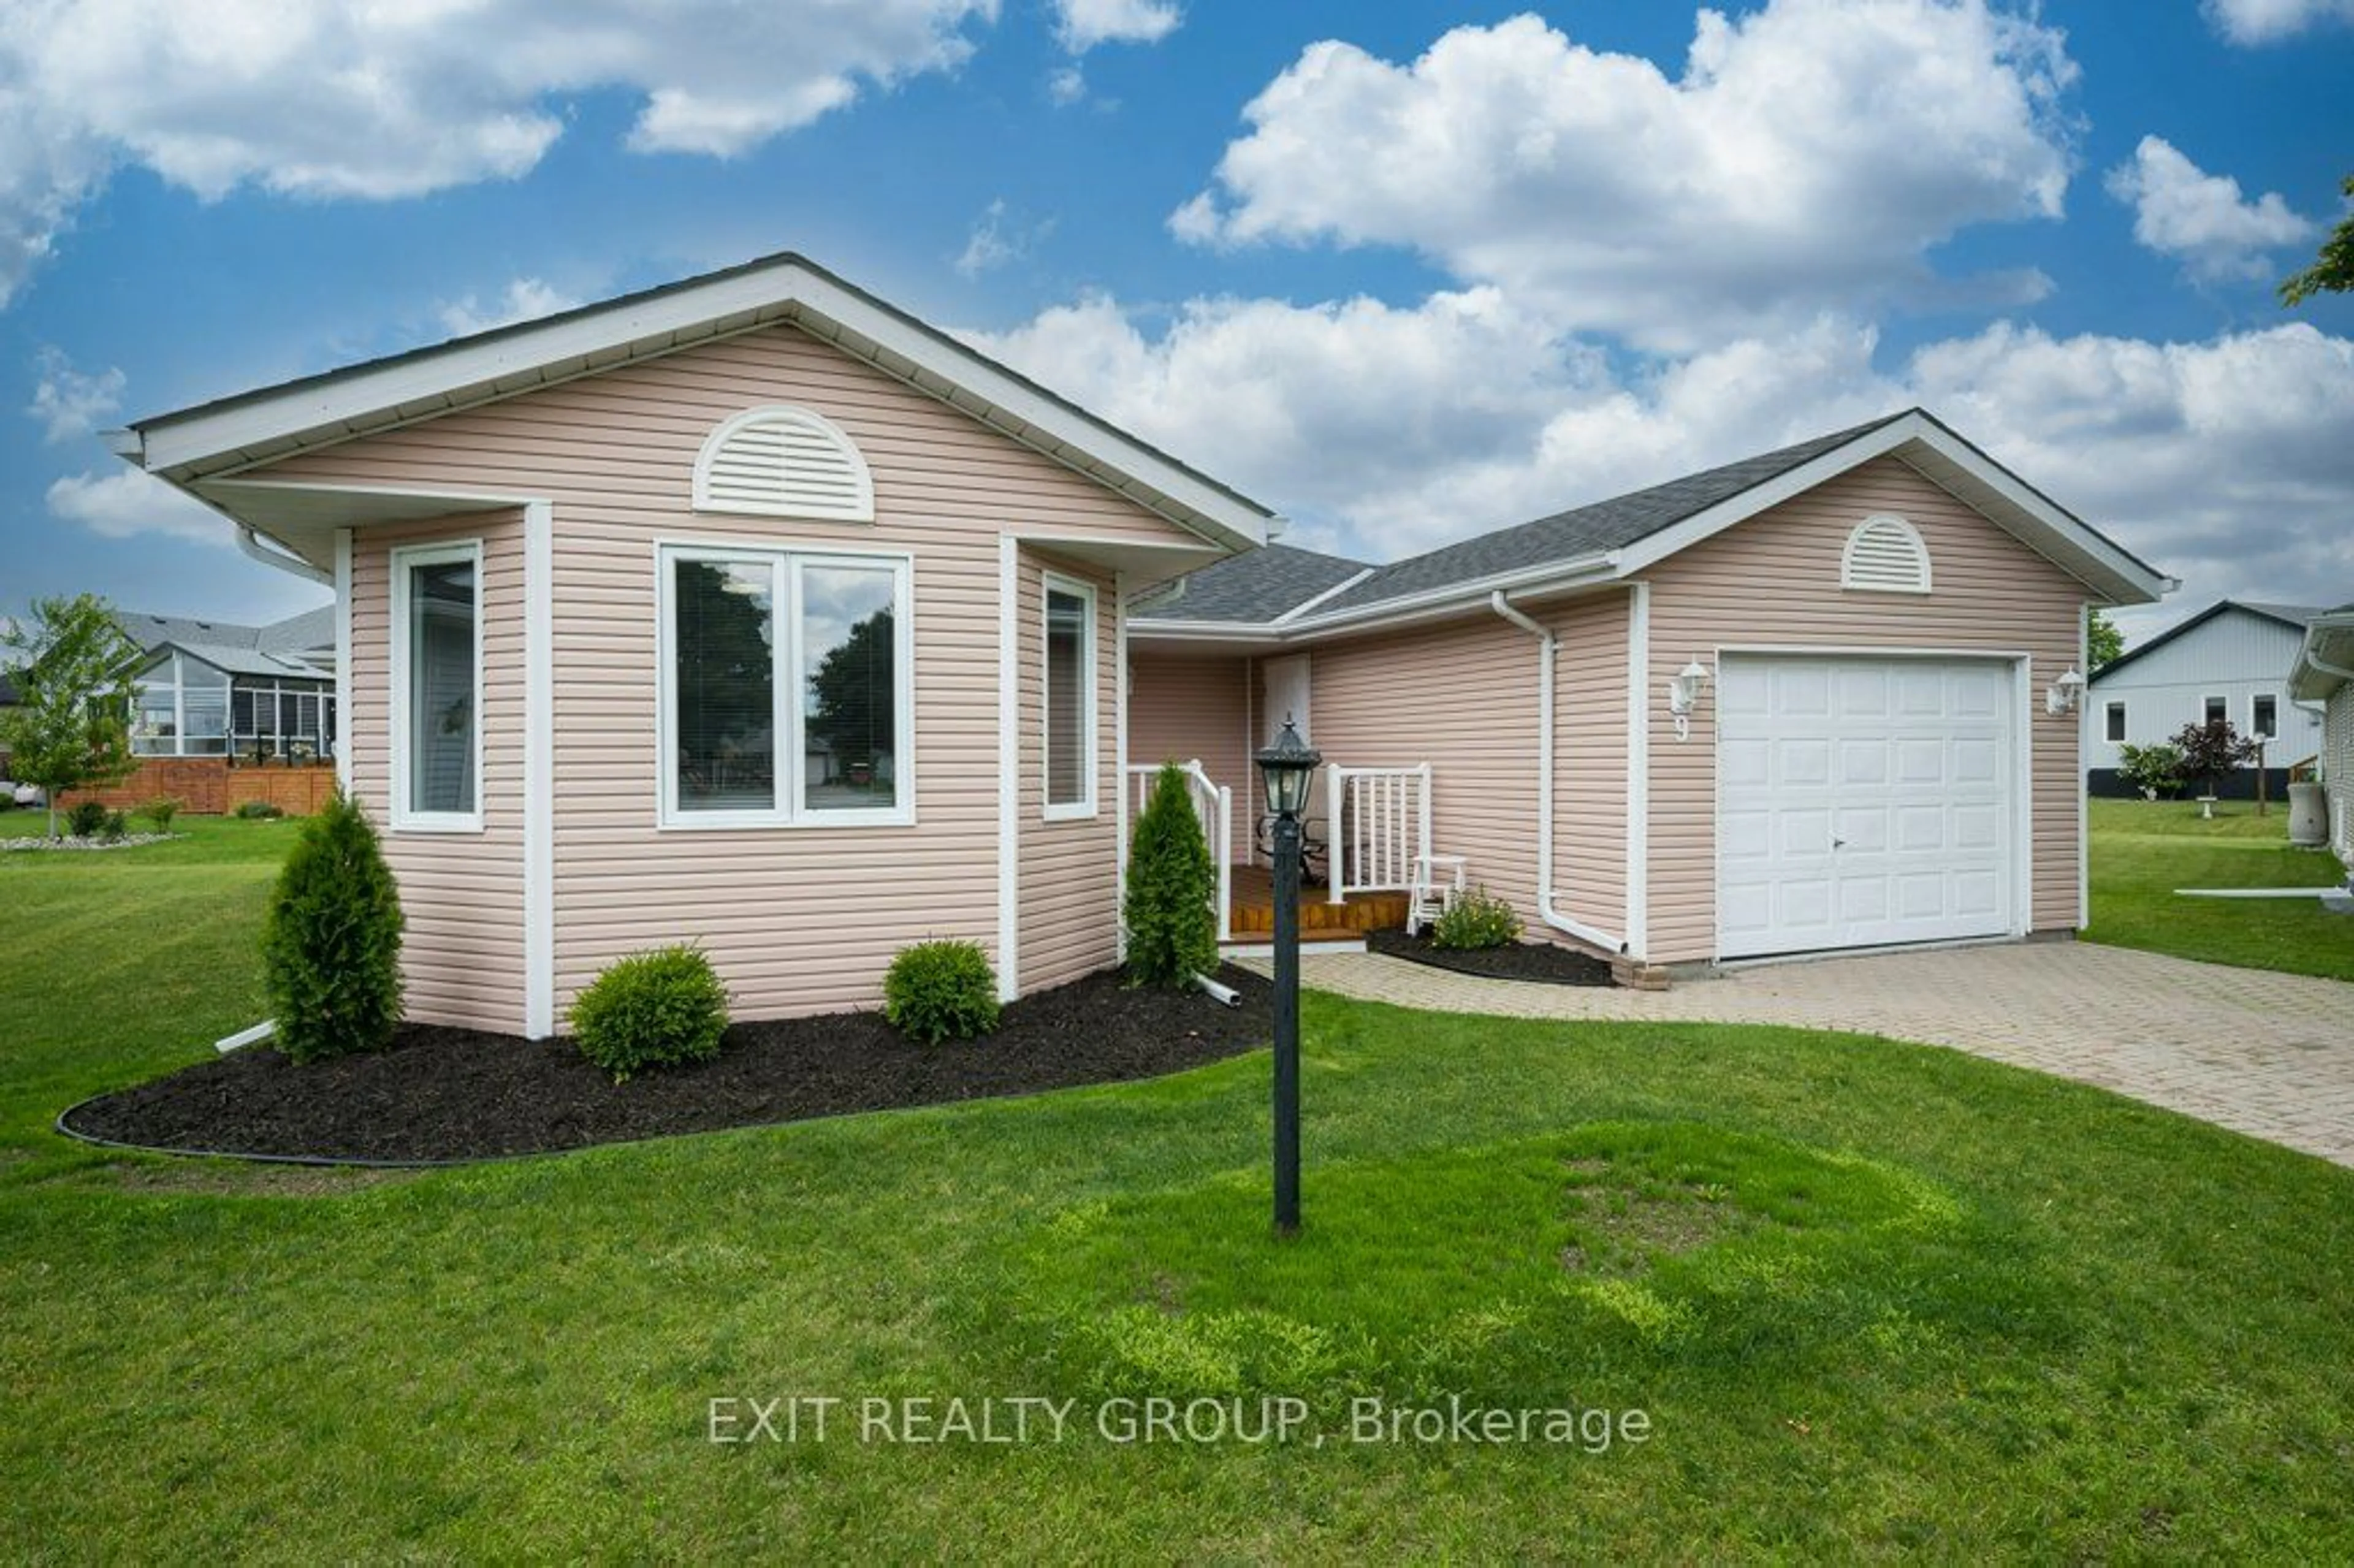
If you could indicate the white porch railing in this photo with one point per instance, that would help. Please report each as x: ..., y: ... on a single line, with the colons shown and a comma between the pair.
x: 1376, y: 823
x: 1214, y: 808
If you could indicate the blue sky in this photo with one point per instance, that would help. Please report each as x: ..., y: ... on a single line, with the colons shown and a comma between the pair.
x: 1403, y: 271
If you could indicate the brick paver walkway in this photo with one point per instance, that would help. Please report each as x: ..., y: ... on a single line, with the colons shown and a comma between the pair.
x: 2268, y: 1055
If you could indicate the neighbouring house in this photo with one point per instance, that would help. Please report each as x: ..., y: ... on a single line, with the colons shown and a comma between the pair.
x: 212, y: 688
x: 748, y: 611
x: 2322, y: 673
x: 752, y: 611
x: 223, y: 713
x: 1802, y: 703
x: 2225, y: 662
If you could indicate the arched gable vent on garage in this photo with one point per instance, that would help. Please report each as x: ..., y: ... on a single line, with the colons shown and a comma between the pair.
x: 1885, y: 554
x: 783, y: 461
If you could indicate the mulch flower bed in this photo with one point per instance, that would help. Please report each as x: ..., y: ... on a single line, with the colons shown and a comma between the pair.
x: 1547, y: 962
x: 441, y: 1094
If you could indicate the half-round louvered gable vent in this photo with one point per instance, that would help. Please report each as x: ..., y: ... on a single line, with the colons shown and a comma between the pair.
x: 1885, y: 554
x: 782, y: 461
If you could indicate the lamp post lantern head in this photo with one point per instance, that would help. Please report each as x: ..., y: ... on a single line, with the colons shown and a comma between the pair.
x: 1286, y: 766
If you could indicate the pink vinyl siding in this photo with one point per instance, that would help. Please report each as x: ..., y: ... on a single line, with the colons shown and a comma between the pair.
x: 1070, y: 867
x: 461, y: 892
x: 799, y: 919
x: 1589, y: 860
x: 1186, y: 707
x: 1774, y: 580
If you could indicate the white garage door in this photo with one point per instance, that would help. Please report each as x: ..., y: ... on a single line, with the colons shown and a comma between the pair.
x: 1862, y: 801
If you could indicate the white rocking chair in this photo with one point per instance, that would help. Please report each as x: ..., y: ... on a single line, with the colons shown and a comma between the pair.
x: 1437, y: 884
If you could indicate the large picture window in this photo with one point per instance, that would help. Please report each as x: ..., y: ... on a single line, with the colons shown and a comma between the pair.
x: 1070, y: 689
x: 785, y: 688
x: 437, y: 671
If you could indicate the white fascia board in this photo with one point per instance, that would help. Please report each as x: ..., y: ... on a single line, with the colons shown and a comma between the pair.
x: 2314, y: 676
x: 181, y: 446
x: 1312, y: 600
x: 1456, y: 598
x: 2127, y: 580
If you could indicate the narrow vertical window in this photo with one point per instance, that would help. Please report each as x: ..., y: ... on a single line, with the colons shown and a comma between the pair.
x: 1070, y: 698
x: 438, y: 686
x: 2263, y: 716
x: 850, y: 652
x: 723, y: 643
x: 2115, y: 719
x: 2216, y: 711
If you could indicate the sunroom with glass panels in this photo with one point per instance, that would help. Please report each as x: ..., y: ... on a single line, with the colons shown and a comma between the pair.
x: 192, y: 700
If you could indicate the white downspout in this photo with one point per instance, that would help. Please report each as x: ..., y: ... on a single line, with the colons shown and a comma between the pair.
x: 1548, y: 645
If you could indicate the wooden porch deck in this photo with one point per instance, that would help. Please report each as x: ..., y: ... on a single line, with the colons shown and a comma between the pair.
x: 1320, y: 920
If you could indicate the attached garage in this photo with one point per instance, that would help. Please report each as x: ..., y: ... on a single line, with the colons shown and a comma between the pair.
x: 1867, y: 801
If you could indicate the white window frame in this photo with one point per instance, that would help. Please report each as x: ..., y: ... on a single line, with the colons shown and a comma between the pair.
x: 2114, y: 709
x: 785, y: 565
x: 2272, y: 697
x: 1090, y: 750
x: 401, y: 561
x: 2206, y: 702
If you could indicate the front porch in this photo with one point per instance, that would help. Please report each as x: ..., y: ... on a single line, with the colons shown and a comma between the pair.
x: 1251, y: 910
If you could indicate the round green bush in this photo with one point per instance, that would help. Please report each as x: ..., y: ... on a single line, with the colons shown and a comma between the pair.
x: 1475, y: 920
x: 940, y: 990
x: 650, y: 1010
x: 87, y: 819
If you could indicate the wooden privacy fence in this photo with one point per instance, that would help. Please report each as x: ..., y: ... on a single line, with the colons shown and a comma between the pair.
x: 208, y: 786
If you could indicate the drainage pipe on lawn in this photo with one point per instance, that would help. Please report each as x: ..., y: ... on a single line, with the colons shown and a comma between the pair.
x: 1226, y: 995
x: 244, y: 1037
x: 1548, y: 647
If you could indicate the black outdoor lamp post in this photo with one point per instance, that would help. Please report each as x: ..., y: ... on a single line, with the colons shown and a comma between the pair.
x: 1286, y: 766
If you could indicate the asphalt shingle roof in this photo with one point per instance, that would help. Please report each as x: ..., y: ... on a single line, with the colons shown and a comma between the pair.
x: 277, y: 649
x: 1251, y: 589
x: 1257, y: 587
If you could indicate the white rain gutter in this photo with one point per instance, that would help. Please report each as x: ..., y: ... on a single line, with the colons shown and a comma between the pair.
x: 250, y: 543
x: 1548, y: 647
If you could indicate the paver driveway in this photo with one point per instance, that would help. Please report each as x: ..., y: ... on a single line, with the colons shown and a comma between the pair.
x: 2265, y: 1053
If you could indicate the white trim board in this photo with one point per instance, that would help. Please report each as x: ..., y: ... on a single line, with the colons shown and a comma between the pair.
x: 539, y: 770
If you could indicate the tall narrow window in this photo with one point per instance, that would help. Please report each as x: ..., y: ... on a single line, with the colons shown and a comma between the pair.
x: 2115, y: 719
x: 1070, y: 698
x: 850, y: 638
x: 2215, y: 710
x: 2263, y: 716
x: 785, y: 696
x: 438, y: 686
x: 724, y: 684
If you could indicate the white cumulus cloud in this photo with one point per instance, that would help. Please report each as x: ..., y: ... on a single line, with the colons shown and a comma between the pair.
x: 2180, y: 210
x: 69, y: 404
x: 353, y: 99
x: 524, y: 299
x: 128, y: 503
x: 1081, y: 25
x: 2251, y: 22
x: 998, y: 237
x: 1809, y: 157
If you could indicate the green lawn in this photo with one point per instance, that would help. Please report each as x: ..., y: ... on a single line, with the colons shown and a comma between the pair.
x: 1870, y: 1299
x: 2143, y: 851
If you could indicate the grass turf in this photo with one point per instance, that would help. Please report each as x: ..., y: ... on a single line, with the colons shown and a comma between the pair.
x: 2142, y: 851
x: 1872, y: 1297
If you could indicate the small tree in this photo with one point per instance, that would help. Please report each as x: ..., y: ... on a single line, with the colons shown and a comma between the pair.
x: 1172, y: 931
x: 2214, y: 752
x: 2104, y: 644
x: 2332, y: 271
x: 71, y: 728
x: 331, y: 946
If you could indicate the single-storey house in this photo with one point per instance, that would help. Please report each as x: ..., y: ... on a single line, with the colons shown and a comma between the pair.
x: 2225, y: 662
x: 2322, y: 673
x: 751, y: 610
x: 213, y: 688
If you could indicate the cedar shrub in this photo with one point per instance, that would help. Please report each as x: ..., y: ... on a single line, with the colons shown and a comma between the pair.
x: 650, y: 1010
x: 940, y: 990
x: 1173, y: 930
x: 330, y: 941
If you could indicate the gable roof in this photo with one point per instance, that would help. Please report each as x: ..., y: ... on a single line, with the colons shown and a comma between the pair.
x: 288, y: 647
x: 1589, y: 530
x: 1616, y: 539
x: 1262, y: 586
x: 2289, y: 615
x: 203, y: 449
